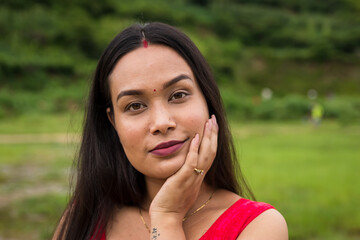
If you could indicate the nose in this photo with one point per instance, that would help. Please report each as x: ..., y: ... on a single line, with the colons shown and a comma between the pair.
x: 161, y: 120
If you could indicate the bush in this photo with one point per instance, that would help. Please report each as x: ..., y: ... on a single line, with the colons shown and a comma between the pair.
x: 290, y: 107
x: 345, y: 110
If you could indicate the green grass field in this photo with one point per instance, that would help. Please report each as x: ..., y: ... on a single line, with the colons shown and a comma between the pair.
x: 309, y: 174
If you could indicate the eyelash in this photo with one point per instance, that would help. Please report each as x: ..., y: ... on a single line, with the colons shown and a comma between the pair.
x: 183, y: 95
x: 127, y: 108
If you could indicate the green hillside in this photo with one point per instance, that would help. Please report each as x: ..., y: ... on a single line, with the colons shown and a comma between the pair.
x: 49, y: 48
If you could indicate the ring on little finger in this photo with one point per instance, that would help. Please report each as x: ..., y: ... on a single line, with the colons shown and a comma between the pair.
x: 199, y: 171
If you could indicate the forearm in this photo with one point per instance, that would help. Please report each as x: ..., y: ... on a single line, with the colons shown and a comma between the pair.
x: 164, y: 228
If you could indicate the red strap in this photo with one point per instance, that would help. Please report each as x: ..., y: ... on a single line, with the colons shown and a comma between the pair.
x: 235, y: 219
x: 100, y: 232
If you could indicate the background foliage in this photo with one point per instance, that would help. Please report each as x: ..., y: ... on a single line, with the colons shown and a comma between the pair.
x: 49, y: 49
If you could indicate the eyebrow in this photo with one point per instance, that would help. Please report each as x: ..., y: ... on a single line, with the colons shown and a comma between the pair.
x: 165, y: 85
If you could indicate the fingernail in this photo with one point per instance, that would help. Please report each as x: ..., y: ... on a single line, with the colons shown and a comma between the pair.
x: 213, y: 118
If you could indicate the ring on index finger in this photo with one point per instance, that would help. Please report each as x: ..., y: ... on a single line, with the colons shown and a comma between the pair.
x: 199, y: 171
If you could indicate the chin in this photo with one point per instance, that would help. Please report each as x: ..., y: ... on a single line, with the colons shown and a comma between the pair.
x: 167, y: 168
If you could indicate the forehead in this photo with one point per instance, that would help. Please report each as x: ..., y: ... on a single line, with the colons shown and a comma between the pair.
x: 149, y: 65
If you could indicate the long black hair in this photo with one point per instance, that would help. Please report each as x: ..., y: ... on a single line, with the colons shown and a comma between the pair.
x: 105, y: 178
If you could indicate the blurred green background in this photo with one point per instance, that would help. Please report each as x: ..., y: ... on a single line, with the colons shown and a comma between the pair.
x: 273, y: 60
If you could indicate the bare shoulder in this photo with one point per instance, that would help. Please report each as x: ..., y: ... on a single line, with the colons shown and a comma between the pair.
x: 268, y: 225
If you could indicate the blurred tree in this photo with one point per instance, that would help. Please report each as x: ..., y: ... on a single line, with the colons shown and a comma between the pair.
x: 328, y: 6
x: 203, y: 3
x: 353, y: 5
x: 46, y: 42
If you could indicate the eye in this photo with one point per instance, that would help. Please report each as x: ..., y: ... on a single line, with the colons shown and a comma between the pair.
x: 178, y: 95
x: 134, y: 106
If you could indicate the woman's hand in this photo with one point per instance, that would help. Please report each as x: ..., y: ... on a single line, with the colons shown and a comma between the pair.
x: 181, y: 190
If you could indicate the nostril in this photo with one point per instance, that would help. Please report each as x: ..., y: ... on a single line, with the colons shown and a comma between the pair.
x: 156, y: 132
x: 161, y: 120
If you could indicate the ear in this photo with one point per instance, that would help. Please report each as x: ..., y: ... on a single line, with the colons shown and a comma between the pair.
x: 110, y: 116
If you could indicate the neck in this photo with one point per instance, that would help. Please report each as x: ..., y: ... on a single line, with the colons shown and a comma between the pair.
x: 154, y: 185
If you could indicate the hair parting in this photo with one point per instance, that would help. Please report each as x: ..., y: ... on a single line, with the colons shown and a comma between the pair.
x: 144, y: 41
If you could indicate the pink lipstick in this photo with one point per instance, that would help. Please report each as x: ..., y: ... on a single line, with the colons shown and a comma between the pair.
x: 167, y: 148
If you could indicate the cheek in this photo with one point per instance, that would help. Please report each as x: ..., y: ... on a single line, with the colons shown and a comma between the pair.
x: 196, y: 120
x: 129, y: 135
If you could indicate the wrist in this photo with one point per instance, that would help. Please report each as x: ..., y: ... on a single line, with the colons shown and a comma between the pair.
x: 166, y: 219
x: 166, y: 227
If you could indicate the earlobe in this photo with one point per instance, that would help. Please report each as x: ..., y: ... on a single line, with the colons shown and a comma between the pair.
x: 110, y: 116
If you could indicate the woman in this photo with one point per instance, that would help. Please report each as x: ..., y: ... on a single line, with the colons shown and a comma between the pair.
x: 156, y: 158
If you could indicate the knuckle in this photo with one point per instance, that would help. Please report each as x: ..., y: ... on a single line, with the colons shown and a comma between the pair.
x: 207, y: 158
x: 192, y: 165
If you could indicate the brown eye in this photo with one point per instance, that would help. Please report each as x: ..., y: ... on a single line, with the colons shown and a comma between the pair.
x: 135, y: 107
x: 178, y: 95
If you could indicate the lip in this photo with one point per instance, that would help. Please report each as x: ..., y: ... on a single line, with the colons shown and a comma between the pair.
x: 167, y: 148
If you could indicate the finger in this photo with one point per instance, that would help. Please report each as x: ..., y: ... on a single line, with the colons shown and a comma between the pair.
x: 192, y: 156
x: 197, y: 173
x: 208, y: 146
x: 214, y: 139
x: 205, y: 141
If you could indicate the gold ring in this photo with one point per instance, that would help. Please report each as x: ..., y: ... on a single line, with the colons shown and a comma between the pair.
x: 199, y: 171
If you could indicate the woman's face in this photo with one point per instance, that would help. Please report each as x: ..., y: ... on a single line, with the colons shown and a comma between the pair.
x: 158, y: 109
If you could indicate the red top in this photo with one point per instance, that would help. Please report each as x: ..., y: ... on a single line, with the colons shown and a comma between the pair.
x: 233, y: 221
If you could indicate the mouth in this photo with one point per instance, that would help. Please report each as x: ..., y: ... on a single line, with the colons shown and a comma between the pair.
x: 167, y: 148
